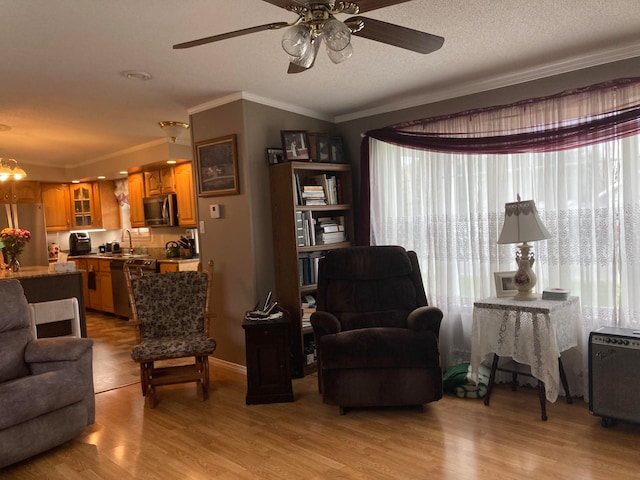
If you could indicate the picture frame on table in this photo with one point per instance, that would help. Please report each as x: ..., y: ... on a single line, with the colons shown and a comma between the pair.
x: 275, y: 156
x: 505, y: 287
x: 217, y: 166
x: 295, y: 144
x: 336, y: 151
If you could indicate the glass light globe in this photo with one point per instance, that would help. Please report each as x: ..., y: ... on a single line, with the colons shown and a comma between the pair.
x: 296, y: 40
x: 337, y: 35
x: 340, y: 56
x: 306, y: 59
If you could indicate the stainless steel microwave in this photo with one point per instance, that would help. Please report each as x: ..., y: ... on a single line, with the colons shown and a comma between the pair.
x: 161, y: 211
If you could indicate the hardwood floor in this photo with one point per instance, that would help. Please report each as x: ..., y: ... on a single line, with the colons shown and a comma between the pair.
x: 222, y: 438
x: 113, y: 338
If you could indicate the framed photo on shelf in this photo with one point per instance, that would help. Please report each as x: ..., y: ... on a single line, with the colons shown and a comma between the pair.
x: 336, y: 152
x: 295, y: 144
x: 217, y: 166
x: 323, y: 148
x: 275, y: 155
x: 504, y: 284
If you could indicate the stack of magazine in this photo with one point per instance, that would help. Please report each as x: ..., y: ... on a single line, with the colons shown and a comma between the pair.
x: 555, y: 294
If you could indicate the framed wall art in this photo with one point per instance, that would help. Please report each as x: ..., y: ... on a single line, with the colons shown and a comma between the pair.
x: 217, y: 166
x: 295, y: 144
x: 504, y: 284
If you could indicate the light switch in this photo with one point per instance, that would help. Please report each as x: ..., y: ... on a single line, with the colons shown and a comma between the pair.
x: 202, y: 227
x: 214, y: 209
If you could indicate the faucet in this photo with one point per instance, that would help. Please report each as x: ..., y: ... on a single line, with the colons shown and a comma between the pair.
x: 126, y: 230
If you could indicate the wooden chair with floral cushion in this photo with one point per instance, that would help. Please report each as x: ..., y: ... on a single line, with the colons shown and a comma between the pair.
x: 170, y: 312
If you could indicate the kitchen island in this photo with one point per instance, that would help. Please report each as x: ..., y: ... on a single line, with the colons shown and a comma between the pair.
x: 42, y: 285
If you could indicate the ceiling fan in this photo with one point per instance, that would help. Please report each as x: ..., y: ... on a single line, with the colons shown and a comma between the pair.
x: 316, y: 20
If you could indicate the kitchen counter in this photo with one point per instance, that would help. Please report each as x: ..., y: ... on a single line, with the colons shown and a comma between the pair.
x: 31, y: 272
x: 118, y: 256
x: 42, y: 285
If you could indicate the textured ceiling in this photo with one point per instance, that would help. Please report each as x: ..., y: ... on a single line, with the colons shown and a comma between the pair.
x: 67, y: 103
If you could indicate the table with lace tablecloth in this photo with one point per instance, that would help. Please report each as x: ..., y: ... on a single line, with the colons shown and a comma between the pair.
x: 532, y: 333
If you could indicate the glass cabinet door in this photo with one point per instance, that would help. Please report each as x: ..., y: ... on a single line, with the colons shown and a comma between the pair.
x: 81, y: 195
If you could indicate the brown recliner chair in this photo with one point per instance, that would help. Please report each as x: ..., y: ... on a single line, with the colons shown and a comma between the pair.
x: 376, y: 338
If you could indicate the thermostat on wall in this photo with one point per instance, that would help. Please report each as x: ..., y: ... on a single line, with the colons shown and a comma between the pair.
x: 214, y: 209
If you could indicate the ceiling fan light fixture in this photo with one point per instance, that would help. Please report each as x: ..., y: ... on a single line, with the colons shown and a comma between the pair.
x: 173, y: 129
x: 337, y: 35
x: 307, y: 58
x: 296, y: 40
x: 340, y: 56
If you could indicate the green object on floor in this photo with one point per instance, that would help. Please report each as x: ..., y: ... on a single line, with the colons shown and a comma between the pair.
x: 455, y: 376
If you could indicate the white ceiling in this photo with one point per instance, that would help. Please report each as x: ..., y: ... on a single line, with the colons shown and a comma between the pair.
x: 67, y: 103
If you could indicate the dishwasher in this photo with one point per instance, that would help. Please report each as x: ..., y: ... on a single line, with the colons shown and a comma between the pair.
x: 121, y: 305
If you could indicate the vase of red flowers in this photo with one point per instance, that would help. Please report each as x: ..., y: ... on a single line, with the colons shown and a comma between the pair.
x: 13, y: 242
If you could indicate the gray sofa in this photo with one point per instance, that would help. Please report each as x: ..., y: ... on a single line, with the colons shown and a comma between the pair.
x: 46, y: 385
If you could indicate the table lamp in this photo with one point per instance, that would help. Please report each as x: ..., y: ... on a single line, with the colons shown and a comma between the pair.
x: 522, y: 224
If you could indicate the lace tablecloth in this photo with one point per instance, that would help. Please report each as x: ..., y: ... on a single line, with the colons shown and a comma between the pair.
x: 531, y: 332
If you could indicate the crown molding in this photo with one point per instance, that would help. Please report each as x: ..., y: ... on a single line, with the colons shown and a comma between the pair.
x: 513, y: 78
x: 261, y: 100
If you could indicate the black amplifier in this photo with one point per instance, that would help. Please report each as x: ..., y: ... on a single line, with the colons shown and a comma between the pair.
x: 614, y: 374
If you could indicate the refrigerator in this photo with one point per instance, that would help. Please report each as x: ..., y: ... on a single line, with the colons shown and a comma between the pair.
x: 28, y: 216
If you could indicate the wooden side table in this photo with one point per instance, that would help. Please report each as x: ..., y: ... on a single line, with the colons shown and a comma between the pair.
x: 268, y: 350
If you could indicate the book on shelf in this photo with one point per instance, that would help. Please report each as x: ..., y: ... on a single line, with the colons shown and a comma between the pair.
x: 330, y: 230
x: 300, y: 228
x: 308, y: 267
x: 313, y: 195
x: 306, y: 316
x: 298, y: 189
x: 308, y: 301
x: 330, y: 186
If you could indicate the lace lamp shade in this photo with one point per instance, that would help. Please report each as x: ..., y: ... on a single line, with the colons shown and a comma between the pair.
x: 522, y: 224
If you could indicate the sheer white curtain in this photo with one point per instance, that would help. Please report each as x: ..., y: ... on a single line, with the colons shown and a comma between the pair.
x: 449, y: 208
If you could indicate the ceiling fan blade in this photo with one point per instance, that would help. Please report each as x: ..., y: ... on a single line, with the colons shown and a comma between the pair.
x: 368, y: 5
x: 396, y: 35
x: 237, y: 33
x: 286, y: 4
x: 295, y: 68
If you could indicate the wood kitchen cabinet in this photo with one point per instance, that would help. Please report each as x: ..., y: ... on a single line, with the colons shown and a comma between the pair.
x: 81, y: 265
x: 167, y: 178
x: 57, y: 206
x: 136, y: 196
x: 19, y: 191
x: 159, y: 182
x: 185, y: 195
x: 99, y: 285
x: 94, y: 205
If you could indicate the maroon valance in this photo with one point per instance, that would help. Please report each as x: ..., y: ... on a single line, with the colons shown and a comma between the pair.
x: 581, y: 126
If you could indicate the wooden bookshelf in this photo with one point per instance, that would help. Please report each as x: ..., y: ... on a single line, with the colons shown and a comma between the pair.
x: 286, y: 179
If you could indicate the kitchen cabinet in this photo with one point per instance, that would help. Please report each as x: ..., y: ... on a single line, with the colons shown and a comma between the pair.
x: 136, y: 196
x: 94, y: 205
x: 159, y: 182
x: 57, y: 206
x: 167, y: 179
x: 81, y: 265
x: 178, y: 265
x: 99, y: 285
x: 185, y: 196
x: 19, y: 191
